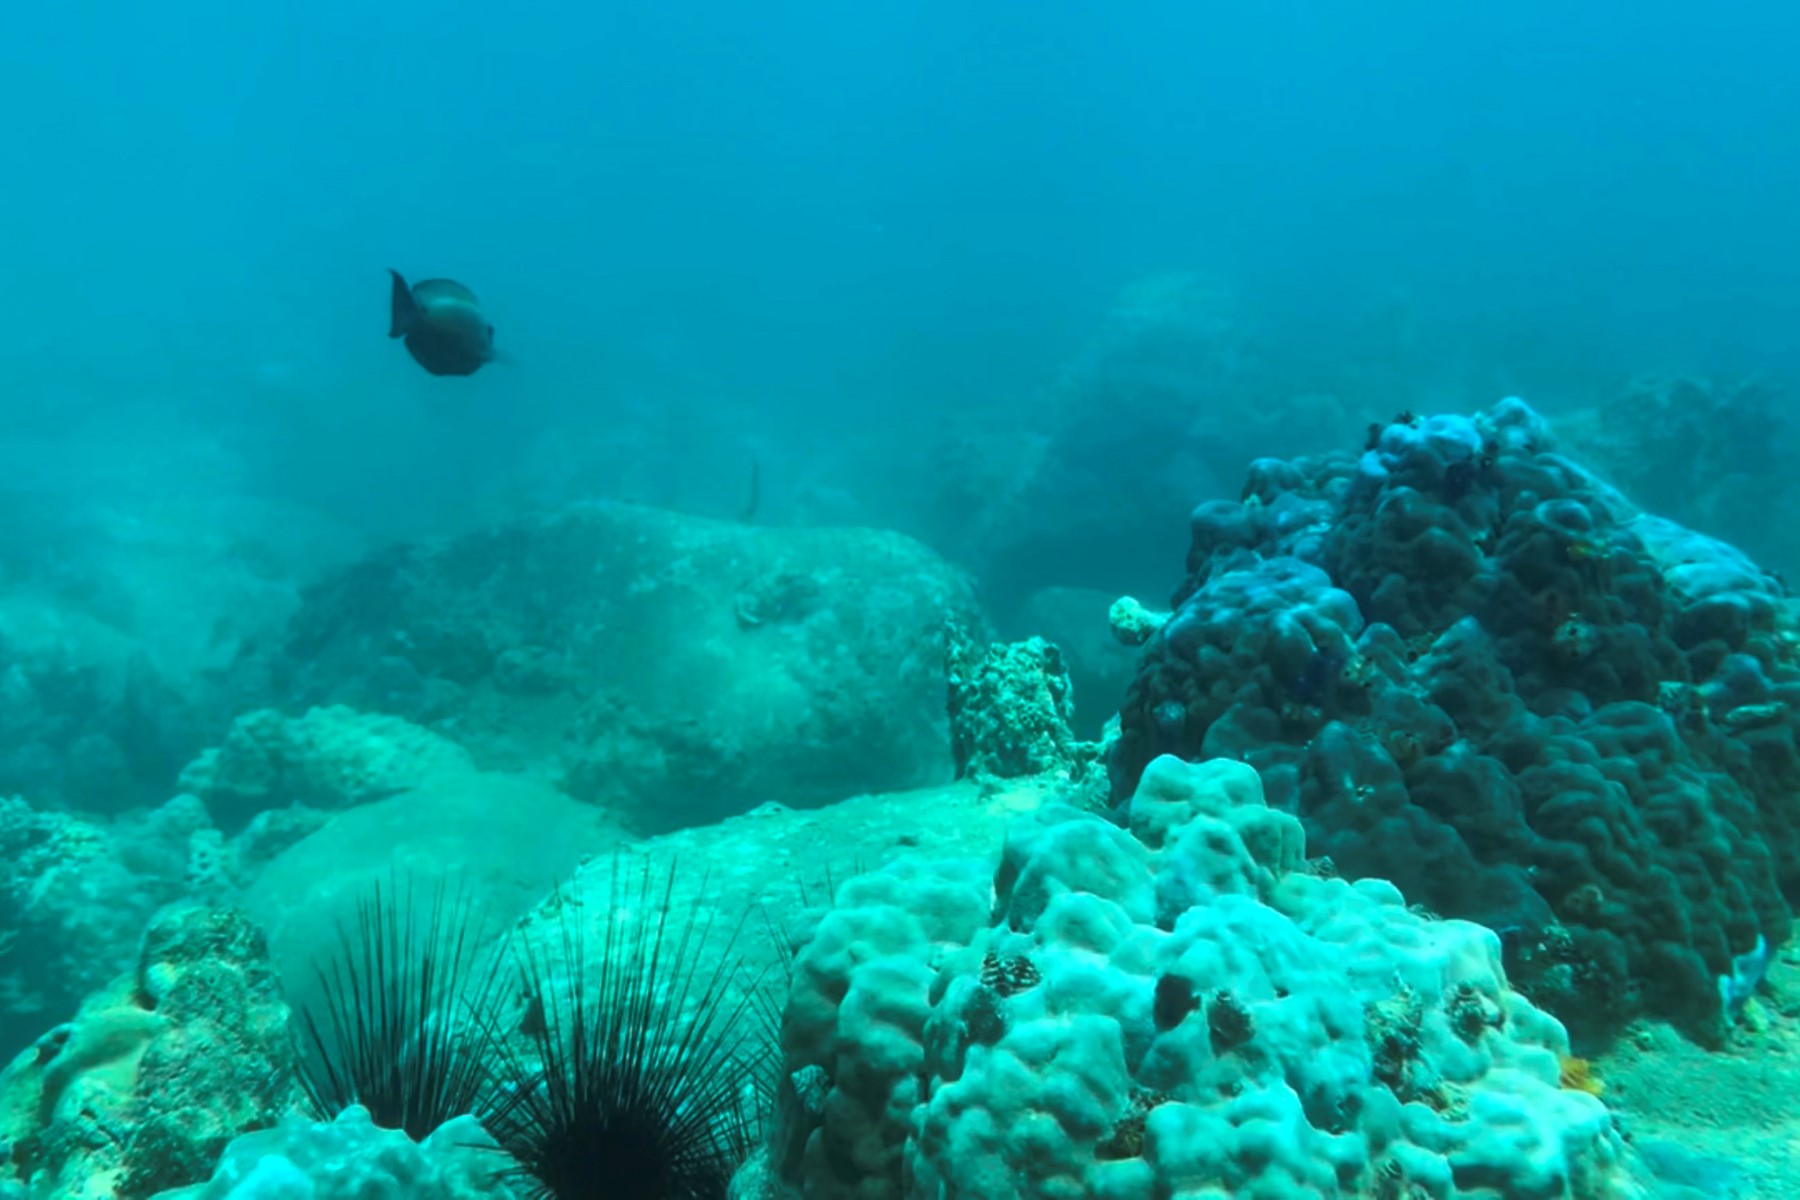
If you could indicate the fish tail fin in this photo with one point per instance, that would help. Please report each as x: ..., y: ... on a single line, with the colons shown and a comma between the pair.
x: 403, y: 310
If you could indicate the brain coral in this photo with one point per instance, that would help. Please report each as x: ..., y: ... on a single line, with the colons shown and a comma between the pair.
x: 1475, y: 669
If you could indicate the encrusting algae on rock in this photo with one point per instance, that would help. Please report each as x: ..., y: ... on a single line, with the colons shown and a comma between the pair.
x: 141, y: 1091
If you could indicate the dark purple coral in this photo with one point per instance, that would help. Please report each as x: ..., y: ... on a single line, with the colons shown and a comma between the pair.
x: 1476, y: 670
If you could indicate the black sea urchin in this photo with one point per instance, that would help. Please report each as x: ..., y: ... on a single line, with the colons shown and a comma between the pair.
x: 645, y: 1084
x: 404, y: 1016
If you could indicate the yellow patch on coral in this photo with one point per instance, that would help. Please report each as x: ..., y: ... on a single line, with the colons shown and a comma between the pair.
x: 1579, y: 1075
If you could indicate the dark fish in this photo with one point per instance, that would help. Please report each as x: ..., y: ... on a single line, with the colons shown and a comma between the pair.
x: 442, y: 324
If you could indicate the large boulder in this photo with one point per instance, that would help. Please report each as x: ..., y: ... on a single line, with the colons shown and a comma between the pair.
x: 673, y: 668
x: 494, y: 840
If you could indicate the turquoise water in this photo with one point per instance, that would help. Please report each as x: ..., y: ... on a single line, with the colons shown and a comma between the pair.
x: 942, y: 542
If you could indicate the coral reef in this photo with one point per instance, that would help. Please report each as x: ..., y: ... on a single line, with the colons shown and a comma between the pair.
x: 86, y: 718
x: 1181, y: 1006
x: 1476, y: 669
x: 1709, y: 453
x: 1010, y: 707
x: 327, y: 758
x: 1100, y: 666
x: 679, y: 669
x: 1132, y: 624
x: 75, y: 895
x: 127, y: 591
x: 350, y: 1159
x: 157, y: 1071
x: 76, y: 891
x: 1175, y: 384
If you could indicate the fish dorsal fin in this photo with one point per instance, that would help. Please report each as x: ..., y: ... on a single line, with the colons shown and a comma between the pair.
x: 437, y: 291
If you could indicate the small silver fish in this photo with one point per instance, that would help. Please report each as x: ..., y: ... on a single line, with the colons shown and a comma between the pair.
x: 443, y: 326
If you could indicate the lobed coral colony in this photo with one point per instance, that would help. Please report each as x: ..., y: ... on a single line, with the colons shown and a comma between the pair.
x: 1474, y: 669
